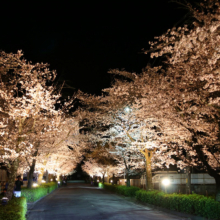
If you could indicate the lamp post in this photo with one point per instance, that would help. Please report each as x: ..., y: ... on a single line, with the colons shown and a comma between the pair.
x: 165, y: 182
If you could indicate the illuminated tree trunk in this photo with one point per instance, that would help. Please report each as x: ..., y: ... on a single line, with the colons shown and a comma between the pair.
x: 217, y: 180
x: 148, y: 156
x: 212, y: 172
x: 14, y: 168
x: 128, y: 181
x: 11, y: 179
x: 188, y: 177
x: 40, y: 176
x: 58, y: 177
x: 103, y: 177
x: 53, y: 177
x: 47, y: 178
x: 107, y: 178
x: 31, y: 172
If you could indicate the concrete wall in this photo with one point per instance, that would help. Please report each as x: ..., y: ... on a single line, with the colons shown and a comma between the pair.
x: 200, y: 178
x: 201, y: 183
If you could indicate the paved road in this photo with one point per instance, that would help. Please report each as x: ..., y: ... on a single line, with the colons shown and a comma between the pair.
x: 82, y: 202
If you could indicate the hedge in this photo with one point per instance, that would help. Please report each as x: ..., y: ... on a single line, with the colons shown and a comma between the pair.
x: 192, y: 204
x: 110, y: 187
x: 15, y: 209
x: 127, y: 191
x: 123, y: 190
x: 36, y: 193
x: 101, y: 185
x: 50, y: 186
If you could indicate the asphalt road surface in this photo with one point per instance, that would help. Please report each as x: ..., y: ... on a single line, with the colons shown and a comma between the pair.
x: 83, y: 202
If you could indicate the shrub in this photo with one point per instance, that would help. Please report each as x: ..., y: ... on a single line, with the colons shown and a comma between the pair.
x: 127, y: 191
x: 50, y: 186
x: 123, y: 190
x: 36, y: 193
x: 15, y: 209
x: 110, y: 187
x: 101, y: 185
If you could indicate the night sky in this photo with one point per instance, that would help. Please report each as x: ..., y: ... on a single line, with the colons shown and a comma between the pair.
x: 83, y: 40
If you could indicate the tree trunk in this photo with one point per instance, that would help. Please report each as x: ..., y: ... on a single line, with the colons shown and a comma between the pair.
x: 11, y: 178
x: 58, y: 177
x: 47, y: 177
x: 128, y: 182
x: 31, y: 171
x: 217, y: 180
x: 188, y: 176
x: 148, y: 155
x: 40, y: 176
x: 188, y: 180
x: 103, y: 180
x: 212, y: 172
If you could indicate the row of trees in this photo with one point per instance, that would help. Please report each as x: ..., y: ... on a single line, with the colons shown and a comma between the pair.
x: 36, y: 130
x: 167, y: 114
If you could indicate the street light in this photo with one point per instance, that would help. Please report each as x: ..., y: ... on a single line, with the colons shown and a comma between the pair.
x: 166, y: 182
x: 35, y: 184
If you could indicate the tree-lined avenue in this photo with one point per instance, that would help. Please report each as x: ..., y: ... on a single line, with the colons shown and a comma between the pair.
x: 79, y: 201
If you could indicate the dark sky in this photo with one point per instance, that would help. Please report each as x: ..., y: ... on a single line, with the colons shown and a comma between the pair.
x: 83, y: 40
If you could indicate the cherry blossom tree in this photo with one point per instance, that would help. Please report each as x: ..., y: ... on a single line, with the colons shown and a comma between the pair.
x: 193, y: 79
x: 102, y: 161
x: 112, y: 126
x: 61, y: 143
x: 176, y: 107
x: 147, y: 123
x: 180, y: 102
x: 27, y: 99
